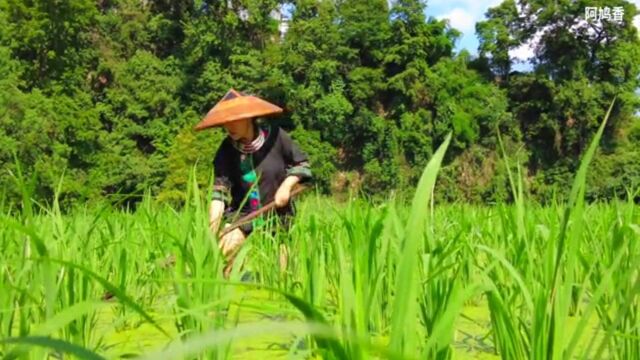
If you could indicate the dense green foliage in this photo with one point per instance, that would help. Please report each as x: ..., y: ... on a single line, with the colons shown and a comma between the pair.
x: 99, y: 98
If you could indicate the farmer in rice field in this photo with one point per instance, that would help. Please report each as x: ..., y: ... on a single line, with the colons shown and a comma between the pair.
x: 255, y: 165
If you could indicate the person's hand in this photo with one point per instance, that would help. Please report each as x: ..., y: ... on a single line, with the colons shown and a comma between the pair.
x: 282, y: 195
x: 230, y: 243
x: 216, y: 209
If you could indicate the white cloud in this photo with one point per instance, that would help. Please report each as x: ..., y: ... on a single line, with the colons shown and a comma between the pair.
x: 475, y: 9
x: 469, y: 4
x: 636, y: 21
x: 523, y: 52
x: 460, y: 19
x: 526, y: 51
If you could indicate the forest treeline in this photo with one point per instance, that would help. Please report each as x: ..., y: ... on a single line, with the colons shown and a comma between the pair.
x: 98, y: 98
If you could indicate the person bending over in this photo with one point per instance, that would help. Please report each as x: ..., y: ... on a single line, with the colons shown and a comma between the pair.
x: 255, y: 165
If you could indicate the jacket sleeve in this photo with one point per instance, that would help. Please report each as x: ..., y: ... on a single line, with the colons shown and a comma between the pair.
x: 222, y: 176
x: 296, y: 161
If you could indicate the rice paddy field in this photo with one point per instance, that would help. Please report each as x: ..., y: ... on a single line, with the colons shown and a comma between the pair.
x: 398, y: 280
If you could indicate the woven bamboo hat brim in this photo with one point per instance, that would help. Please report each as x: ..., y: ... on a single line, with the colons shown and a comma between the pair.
x: 237, y: 106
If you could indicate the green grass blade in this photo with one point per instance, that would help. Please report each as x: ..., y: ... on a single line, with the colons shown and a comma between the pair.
x: 200, y: 343
x: 567, y: 248
x: 578, y: 188
x: 405, y: 307
x: 513, y: 272
x: 40, y: 246
x: 54, y: 344
x: 64, y: 317
x: 117, y: 292
x: 313, y: 315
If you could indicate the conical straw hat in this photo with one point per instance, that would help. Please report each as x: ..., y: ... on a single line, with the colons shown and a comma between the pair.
x: 237, y: 106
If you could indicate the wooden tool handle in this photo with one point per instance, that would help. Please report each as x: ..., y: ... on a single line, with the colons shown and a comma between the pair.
x: 249, y: 217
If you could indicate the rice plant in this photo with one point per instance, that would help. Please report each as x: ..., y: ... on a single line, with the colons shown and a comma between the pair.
x: 396, y: 280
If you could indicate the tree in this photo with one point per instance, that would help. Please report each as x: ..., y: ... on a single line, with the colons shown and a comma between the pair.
x: 54, y: 138
x: 50, y: 39
x: 140, y: 113
x: 579, y: 67
x: 499, y: 35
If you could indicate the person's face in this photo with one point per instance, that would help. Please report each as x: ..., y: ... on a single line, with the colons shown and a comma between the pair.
x: 240, y: 130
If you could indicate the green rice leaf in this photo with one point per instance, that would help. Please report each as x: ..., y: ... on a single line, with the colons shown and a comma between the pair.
x: 54, y: 344
x: 117, y: 292
x: 405, y: 307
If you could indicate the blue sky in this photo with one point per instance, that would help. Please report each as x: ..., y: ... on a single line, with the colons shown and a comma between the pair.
x: 463, y: 15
